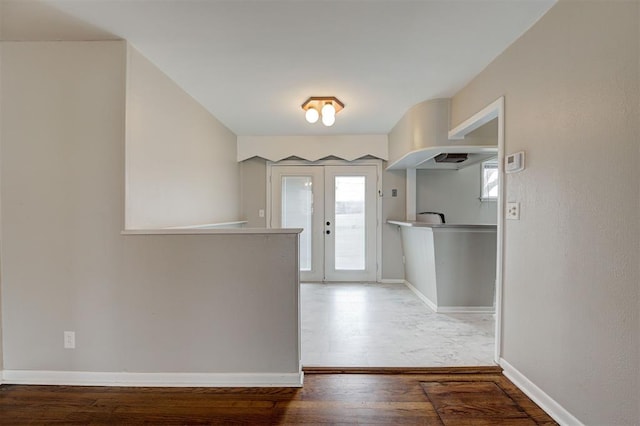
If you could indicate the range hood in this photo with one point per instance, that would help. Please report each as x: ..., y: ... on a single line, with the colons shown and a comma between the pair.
x: 444, y: 157
x: 447, y: 157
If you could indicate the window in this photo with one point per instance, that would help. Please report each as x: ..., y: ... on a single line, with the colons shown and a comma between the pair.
x: 489, y: 179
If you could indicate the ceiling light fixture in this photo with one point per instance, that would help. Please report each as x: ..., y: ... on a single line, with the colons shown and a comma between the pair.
x: 322, y: 106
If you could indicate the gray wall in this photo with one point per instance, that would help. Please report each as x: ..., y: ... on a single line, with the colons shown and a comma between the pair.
x: 420, y: 268
x: 253, y: 174
x: 392, y: 208
x: 456, y: 193
x: 425, y: 124
x: 170, y: 303
x: 571, y: 271
x: 181, y: 166
x: 465, y: 264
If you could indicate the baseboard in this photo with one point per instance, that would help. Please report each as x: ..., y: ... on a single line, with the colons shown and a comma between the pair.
x: 450, y: 309
x: 422, y: 297
x: 465, y: 310
x: 85, y: 378
x: 537, y: 395
x: 391, y: 281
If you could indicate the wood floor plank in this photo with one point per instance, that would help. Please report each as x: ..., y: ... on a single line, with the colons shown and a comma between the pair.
x: 425, y: 398
x: 537, y: 414
x: 475, y: 402
x: 478, y: 400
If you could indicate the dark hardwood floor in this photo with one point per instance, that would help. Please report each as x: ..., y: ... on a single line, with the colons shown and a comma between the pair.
x: 420, y: 397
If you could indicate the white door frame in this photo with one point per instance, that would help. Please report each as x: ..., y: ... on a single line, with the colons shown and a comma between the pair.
x: 491, y: 111
x: 332, y: 274
x: 372, y: 162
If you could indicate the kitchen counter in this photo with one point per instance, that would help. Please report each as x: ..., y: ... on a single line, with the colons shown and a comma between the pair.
x: 451, y: 267
x: 414, y: 224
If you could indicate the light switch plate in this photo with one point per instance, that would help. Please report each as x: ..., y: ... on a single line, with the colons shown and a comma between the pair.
x: 513, y: 210
x: 69, y: 340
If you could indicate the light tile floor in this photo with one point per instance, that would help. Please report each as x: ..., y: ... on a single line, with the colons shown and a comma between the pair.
x: 386, y: 325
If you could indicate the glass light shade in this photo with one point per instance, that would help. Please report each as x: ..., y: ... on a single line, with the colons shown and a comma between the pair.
x: 312, y: 115
x: 328, y: 110
x: 328, y: 120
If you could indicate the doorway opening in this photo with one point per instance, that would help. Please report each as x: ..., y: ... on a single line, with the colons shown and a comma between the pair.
x: 493, y: 111
x: 337, y: 206
x: 353, y: 322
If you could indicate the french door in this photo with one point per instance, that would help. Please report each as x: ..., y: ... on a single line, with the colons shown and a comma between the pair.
x: 336, y: 208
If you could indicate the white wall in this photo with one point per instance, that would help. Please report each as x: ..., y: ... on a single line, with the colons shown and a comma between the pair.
x: 571, y: 272
x: 143, y: 303
x: 181, y: 161
x: 456, y: 193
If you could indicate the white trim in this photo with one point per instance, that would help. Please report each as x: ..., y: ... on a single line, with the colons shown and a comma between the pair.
x: 419, y: 158
x: 496, y: 109
x: 269, y: 171
x: 442, y: 226
x: 482, y: 198
x: 211, y: 231
x: 211, y: 225
x: 313, y: 147
x: 422, y: 297
x: 88, y: 378
x: 449, y: 309
x: 365, y: 162
x: 378, y: 221
x: 465, y: 310
x: 373, y: 226
x: 479, y: 119
x: 499, y: 105
x: 128, y: 105
x: 537, y: 395
x: 391, y: 281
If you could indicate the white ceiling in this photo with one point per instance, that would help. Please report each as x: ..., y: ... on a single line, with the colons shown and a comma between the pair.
x: 253, y: 63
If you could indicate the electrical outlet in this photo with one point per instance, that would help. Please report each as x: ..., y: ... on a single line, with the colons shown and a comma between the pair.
x: 261, y: 213
x: 513, y: 210
x: 69, y: 339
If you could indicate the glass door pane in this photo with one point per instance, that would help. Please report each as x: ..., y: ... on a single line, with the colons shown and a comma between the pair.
x: 350, y: 223
x: 297, y: 212
x: 335, y: 206
x: 350, y: 237
x: 296, y: 194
